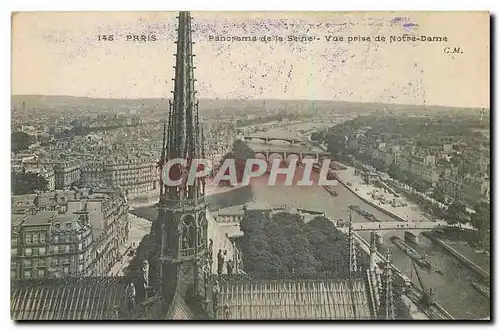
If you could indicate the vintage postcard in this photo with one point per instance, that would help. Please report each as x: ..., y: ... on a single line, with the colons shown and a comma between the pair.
x: 250, y: 166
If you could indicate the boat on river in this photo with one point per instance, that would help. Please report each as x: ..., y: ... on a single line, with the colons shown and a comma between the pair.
x: 484, y: 290
x: 331, y: 191
x: 419, y: 258
x: 365, y: 214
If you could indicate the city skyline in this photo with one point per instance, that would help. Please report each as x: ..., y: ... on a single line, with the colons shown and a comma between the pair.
x: 53, y: 57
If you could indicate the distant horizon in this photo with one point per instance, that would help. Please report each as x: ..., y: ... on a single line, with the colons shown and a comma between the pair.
x: 253, y: 99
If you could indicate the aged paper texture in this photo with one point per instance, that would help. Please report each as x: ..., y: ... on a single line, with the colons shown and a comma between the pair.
x: 250, y: 166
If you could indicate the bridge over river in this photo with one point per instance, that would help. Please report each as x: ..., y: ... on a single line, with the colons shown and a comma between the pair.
x: 392, y: 225
x: 268, y: 139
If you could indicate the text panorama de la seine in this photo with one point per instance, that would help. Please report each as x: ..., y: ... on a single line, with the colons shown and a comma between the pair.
x: 331, y: 38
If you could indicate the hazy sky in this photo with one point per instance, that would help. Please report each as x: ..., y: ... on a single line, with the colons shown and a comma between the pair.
x: 59, y: 54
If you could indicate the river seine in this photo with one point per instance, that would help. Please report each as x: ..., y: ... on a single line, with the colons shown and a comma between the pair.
x: 453, y: 289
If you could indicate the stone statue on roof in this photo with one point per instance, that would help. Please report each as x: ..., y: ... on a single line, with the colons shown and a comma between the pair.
x: 145, y: 273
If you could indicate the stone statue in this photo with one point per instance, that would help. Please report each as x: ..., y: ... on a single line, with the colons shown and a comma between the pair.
x: 227, y: 313
x: 206, y: 276
x: 145, y: 273
x: 116, y: 312
x: 215, y: 294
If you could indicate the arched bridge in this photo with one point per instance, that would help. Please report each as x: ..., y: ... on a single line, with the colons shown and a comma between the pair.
x: 267, y: 139
x: 287, y: 155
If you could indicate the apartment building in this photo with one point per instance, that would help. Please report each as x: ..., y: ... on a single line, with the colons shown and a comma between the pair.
x: 135, y: 176
x: 48, y: 244
x: 76, y: 237
x: 66, y: 173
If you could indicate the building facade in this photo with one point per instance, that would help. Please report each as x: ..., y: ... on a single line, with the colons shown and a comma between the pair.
x: 68, y: 236
x: 66, y: 174
x: 136, y: 177
x: 50, y: 244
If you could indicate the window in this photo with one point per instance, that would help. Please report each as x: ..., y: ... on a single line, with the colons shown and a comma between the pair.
x: 80, y: 257
x: 27, y: 238
x: 13, y: 251
x: 41, y: 263
x: 66, y: 270
x: 66, y: 248
x: 80, y: 246
x: 27, y: 251
x: 41, y: 273
x: 56, y: 239
x: 27, y: 263
x: 80, y: 268
x: 35, y: 238
x: 42, y: 251
x: 27, y: 274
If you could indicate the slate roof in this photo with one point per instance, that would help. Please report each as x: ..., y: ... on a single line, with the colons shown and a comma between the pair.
x: 294, y: 300
x: 89, y: 298
x: 95, y: 298
x: 179, y: 309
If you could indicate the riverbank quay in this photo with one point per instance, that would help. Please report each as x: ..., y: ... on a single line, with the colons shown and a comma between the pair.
x: 469, y: 263
x: 355, y: 184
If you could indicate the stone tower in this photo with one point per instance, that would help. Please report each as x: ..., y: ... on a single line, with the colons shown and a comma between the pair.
x: 181, y: 230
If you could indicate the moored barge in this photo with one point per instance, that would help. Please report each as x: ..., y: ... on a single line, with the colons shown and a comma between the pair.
x: 420, y: 259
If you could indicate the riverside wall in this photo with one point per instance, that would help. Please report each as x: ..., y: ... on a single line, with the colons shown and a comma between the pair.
x: 458, y: 255
x: 369, y: 202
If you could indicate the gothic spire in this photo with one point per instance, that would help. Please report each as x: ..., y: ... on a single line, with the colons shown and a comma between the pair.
x: 182, y: 228
x: 161, y: 162
x: 184, y: 136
